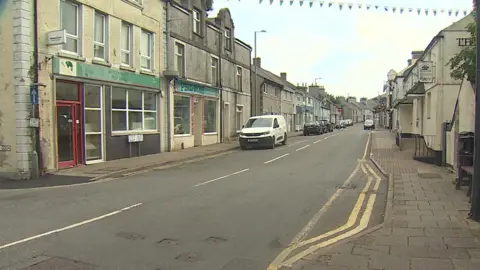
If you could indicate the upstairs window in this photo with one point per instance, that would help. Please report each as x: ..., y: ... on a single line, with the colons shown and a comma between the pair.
x: 196, y: 21
x: 228, y: 39
x: 70, y: 21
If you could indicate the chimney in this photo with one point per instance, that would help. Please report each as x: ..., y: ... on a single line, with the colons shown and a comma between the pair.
x: 283, y: 75
x: 363, y: 100
x: 409, y: 62
x: 257, y: 62
x: 416, y: 54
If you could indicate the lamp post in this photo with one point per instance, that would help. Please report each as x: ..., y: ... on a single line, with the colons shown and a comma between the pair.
x: 255, y: 61
x: 315, y: 81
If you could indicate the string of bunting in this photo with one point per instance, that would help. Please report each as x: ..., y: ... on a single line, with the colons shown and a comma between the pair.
x: 351, y: 6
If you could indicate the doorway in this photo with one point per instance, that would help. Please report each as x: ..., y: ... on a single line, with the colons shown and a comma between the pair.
x: 226, y: 121
x: 69, y: 124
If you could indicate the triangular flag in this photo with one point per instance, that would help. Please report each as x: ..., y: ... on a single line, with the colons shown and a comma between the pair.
x: 401, y: 10
x: 434, y: 12
x: 359, y: 6
x: 368, y: 7
x: 419, y: 10
x: 376, y: 7
x: 386, y: 8
x: 410, y: 9
x: 350, y: 6
x: 426, y: 11
x: 393, y: 9
x: 271, y: 2
x: 330, y: 4
x: 301, y: 2
x: 465, y: 13
x: 260, y: 1
x: 449, y: 12
x: 442, y: 10
x: 281, y: 2
x: 340, y: 5
x: 311, y: 3
x: 291, y: 2
x: 321, y: 3
x: 456, y: 12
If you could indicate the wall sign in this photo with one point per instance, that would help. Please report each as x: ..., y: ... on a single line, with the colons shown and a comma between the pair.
x: 196, y: 89
x: 425, y: 71
x: 57, y: 37
x: 465, y: 42
x: 135, y: 138
x: 5, y: 148
x: 73, y: 68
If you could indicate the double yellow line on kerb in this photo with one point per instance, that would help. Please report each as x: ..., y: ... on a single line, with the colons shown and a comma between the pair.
x: 313, y: 244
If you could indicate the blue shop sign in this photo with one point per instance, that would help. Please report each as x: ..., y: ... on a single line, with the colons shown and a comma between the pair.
x: 197, y: 89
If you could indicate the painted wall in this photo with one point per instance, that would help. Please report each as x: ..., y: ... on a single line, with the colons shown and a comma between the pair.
x: 8, y: 159
x: 405, y: 118
x: 271, y: 103
x: 149, y: 16
x: 466, y: 108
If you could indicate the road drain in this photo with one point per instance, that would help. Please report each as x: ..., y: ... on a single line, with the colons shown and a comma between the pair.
x: 215, y: 240
x: 349, y: 186
x: 168, y: 241
x: 188, y: 257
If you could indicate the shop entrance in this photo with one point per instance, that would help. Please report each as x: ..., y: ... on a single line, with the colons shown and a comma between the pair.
x: 69, y: 124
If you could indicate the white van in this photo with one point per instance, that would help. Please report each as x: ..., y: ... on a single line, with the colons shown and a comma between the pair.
x: 265, y: 130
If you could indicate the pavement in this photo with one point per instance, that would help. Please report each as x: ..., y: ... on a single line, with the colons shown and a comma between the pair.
x: 244, y: 210
x: 124, y: 167
x: 426, y: 225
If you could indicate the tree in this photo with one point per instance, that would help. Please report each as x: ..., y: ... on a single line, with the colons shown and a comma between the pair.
x: 464, y: 63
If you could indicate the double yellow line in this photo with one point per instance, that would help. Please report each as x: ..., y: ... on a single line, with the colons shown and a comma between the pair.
x: 315, y: 244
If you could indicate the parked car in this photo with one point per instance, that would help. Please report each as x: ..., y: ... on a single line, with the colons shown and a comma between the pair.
x: 368, y: 124
x: 313, y: 128
x: 265, y: 130
x: 328, y: 126
x: 342, y: 124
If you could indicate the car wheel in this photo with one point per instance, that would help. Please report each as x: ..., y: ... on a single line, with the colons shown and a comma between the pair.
x: 284, y: 142
x: 273, y: 143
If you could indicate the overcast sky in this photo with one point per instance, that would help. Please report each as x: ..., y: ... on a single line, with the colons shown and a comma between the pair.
x: 351, y: 50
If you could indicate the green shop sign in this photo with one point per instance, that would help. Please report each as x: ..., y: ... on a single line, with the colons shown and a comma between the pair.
x: 196, y: 89
x: 96, y: 72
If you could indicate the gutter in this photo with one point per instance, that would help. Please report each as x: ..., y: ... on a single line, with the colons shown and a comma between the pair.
x: 220, y: 82
x: 168, y: 94
x: 35, y: 109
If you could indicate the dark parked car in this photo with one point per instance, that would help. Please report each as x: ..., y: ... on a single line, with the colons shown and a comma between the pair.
x: 313, y: 128
x: 328, y: 126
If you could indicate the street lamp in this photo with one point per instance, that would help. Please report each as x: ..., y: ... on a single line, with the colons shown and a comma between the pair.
x: 255, y: 60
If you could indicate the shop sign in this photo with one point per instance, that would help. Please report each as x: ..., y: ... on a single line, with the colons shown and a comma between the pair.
x: 73, y: 68
x: 425, y: 71
x: 197, y: 89
x: 5, y: 148
x: 132, y: 138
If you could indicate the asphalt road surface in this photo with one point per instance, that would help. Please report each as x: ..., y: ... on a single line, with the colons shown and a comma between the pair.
x: 253, y: 209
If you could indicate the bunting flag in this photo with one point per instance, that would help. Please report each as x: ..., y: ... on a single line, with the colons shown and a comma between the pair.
x: 392, y: 9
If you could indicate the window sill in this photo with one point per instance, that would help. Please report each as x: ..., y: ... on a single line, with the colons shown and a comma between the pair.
x: 71, y: 56
x: 133, y: 3
x: 210, y: 133
x: 126, y: 133
x: 127, y: 68
x: 101, y: 62
x: 147, y: 72
x: 182, y: 135
x: 200, y: 35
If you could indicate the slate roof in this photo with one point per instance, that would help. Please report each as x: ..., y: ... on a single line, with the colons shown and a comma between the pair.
x: 273, y: 78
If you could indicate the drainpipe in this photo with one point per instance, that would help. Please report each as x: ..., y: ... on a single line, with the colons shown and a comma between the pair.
x: 37, y: 162
x: 220, y: 81
x: 170, y: 80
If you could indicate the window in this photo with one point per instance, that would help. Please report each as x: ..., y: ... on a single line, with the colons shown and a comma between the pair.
x: 133, y: 110
x: 181, y: 115
x: 93, y: 122
x: 127, y: 41
x: 214, y: 71
x: 277, y: 92
x: 239, y: 78
x: 180, y: 59
x: 299, y: 98
x: 228, y: 39
x: 210, y: 116
x: 429, y: 104
x: 290, y: 96
x: 265, y: 88
x: 146, y: 50
x: 70, y: 21
x: 99, y: 39
x: 196, y: 21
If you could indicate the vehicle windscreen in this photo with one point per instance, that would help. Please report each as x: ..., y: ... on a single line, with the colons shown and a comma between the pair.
x: 312, y: 123
x: 259, y: 122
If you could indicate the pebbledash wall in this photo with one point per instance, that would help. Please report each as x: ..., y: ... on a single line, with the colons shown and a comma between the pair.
x: 102, y: 98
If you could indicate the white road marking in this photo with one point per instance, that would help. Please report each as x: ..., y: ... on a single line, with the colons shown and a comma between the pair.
x: 315, y: 142
x: 221, y: 177
x: 295, y: 143
x: 277, y: 158
x: 301, y: 148
x: 70, y: 226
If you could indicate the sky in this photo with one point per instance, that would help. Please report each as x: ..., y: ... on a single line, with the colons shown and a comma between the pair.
x: 350, y: 50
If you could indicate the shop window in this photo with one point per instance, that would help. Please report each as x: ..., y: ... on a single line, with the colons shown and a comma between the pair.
x: 210, y: 116
x: 181, y: 115
x: 93, y: 122
x: 133, y: 110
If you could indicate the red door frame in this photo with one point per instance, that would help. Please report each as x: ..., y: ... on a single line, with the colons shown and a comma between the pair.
x: 77, y: 129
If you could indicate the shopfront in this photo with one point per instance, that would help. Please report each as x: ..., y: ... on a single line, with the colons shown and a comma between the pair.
x: 196, y: 115
x: 103, y: 114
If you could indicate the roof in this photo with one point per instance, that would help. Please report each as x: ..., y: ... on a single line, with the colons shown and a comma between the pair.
x: 274, y: 78
x: 351, y: 106
x: 417, y: 89
x: 361, y: 106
